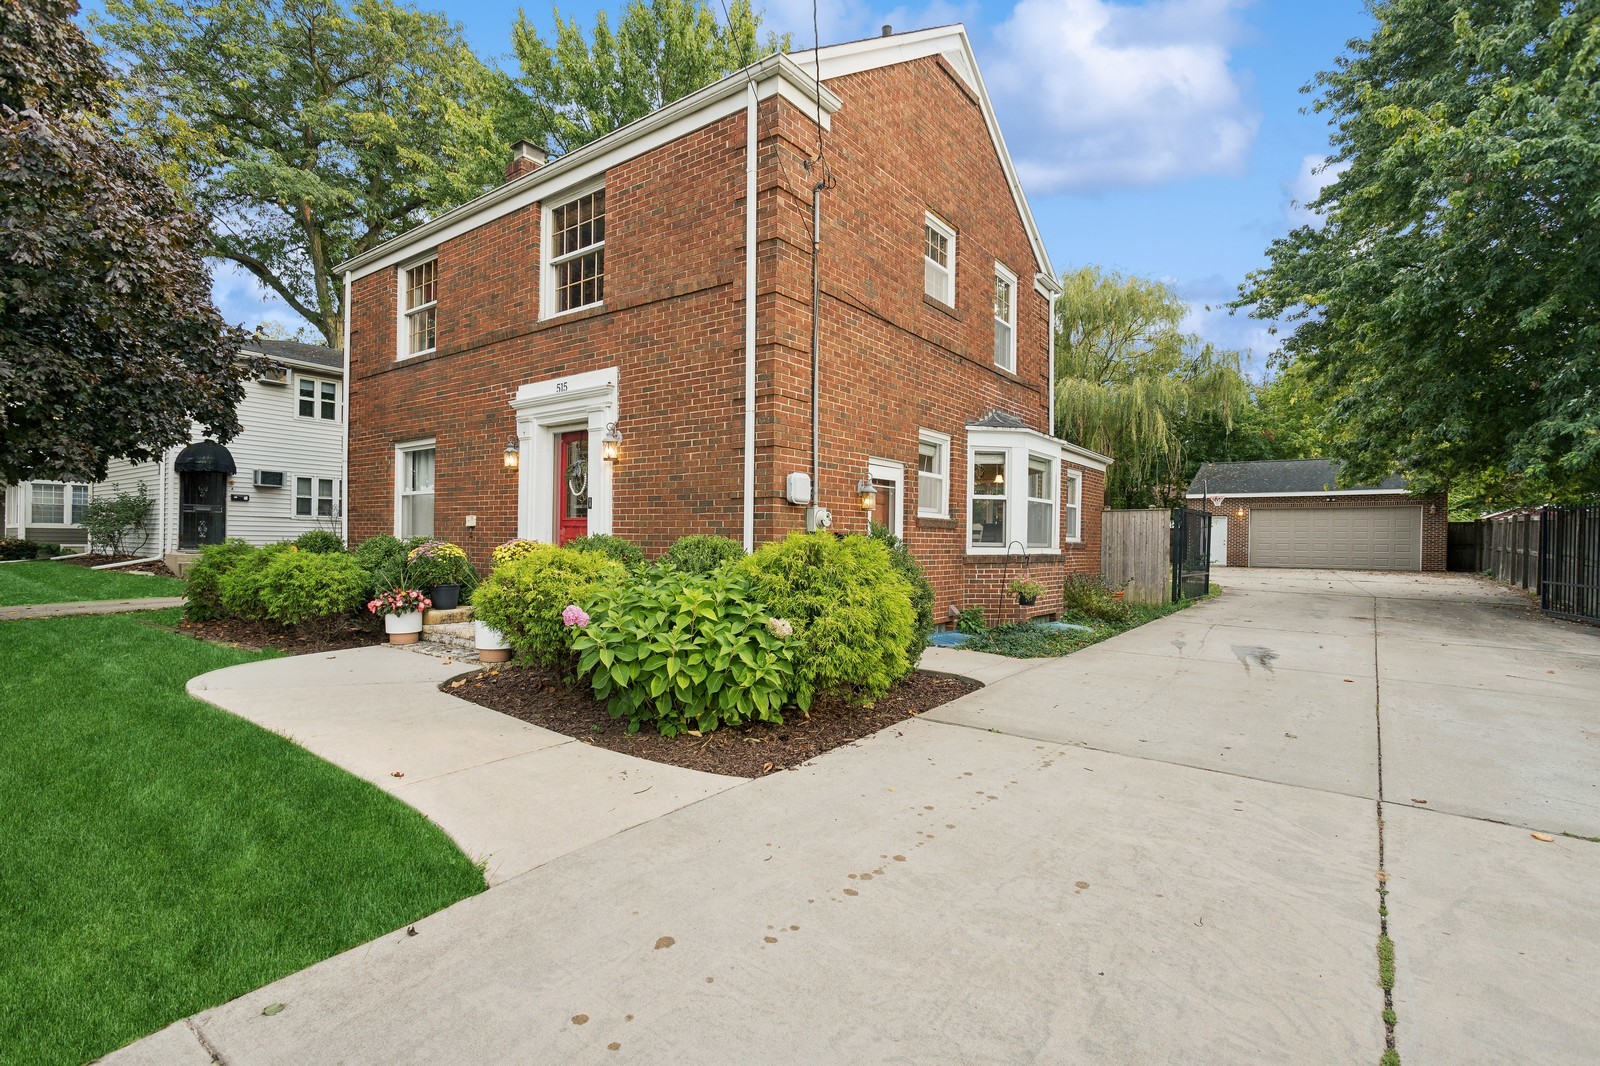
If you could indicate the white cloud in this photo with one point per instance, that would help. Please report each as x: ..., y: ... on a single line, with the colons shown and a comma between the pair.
x: 1306, y: 185
x: 1210, y: 319
x: 1114, y: 95
x: 244, y: 301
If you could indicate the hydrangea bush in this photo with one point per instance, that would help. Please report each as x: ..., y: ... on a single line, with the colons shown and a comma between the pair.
x: 524, y: 598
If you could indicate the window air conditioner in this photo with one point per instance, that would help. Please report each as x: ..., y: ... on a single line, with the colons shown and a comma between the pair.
x: 269, y: 479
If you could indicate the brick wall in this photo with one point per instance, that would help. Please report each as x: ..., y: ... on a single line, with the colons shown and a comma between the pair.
x: 1435, y: 519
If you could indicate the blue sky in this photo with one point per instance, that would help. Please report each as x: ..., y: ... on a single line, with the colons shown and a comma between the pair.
x: 1162, y: 138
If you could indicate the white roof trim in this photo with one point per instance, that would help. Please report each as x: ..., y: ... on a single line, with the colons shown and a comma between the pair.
x: 1073, y: 453
x: 1323, y: 492
x: 776, y: 75
x: 953, y: 43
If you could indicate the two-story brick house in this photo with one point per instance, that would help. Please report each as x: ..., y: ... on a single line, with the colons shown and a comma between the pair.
x: 649, y: 298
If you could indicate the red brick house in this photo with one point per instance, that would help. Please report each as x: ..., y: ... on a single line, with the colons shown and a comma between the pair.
x: 649, y: 297
x: 1293, y: 513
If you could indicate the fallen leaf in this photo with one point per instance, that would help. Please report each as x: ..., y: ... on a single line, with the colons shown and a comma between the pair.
x: 1081, y: 884
x: 1349, y: 680
x: 272, y: 1008
x: 397, y: 773
x: 1547, y: 838
x: 1415, y: 800
x: 1383, y: 877
x: 665, y: 942
x: 765, y: 767
x: 411, y: 930
x: 580, y: 1019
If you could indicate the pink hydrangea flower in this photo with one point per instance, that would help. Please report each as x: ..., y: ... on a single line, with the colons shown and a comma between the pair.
x: 574, y: 616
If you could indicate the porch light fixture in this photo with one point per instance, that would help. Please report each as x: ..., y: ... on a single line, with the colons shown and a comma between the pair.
x: 868, y: 493
x: 512, y: 456
x: 611, y: 443
x: 1239, y: 513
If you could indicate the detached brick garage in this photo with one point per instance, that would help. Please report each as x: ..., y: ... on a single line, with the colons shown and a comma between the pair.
x: 1290, y: 513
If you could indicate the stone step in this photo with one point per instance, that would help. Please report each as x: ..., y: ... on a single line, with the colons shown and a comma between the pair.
x: 450, y: 617
x: 180, y: 562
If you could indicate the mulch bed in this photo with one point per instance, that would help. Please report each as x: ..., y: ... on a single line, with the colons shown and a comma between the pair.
x: 89, y: 562
x: 291, y: 640
x: 535, y: 695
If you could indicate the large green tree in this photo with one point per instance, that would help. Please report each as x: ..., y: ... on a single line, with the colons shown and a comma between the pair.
x: 1132, y: 384
x: 109, y: 342
x: 308, y: 131
x: 1447, y: 309
x: 582, y: 89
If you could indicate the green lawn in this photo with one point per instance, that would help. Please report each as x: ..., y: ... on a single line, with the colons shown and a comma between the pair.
x: 64, y: 583
x: 159, y: 856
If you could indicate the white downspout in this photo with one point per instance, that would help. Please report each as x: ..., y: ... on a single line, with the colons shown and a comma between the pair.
x: 751, y: 111
x: 344, y: 429
x: 161, y: 504
x: 1051, y: 428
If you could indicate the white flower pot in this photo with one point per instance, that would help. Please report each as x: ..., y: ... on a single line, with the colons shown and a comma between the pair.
x: 403, y: 628
x: 492, y: 644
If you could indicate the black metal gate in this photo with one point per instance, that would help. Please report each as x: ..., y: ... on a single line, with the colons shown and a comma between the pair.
x: 1191, y: 554
x: 1569, y: 554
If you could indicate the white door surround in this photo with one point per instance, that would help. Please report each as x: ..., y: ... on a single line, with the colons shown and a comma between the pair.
x: 1219, y: 540
x: 894, y: 473
x: 545, y: 409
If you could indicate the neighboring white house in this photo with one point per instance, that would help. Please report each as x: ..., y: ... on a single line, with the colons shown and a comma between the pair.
x: 286, y: 476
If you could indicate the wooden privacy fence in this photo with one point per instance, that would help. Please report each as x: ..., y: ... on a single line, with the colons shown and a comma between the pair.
x: 1508, y: 549
x: 1552, y: 551
x: 1136, y: 547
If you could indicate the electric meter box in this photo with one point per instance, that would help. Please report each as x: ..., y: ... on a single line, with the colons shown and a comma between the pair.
x: 797, y: 489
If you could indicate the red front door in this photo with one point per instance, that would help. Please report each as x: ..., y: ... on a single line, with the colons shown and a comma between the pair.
x: 572, y: 486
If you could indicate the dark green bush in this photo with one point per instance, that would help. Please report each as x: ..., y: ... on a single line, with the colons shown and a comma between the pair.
x: 625, y: 552
x: 12, y: 548
x: 921, y: 589
x: 701, y: 554
x: 1089, y: 595
x: 1027, y: 640
x: 687, y: 652
x: 970, y: 620
x: 318, y: 541
x: 384, y: 557
x: 524, y: 598
x: 850, y: 608
x: 202, y: 585
x: 243, y: 587
x: 301, y: 586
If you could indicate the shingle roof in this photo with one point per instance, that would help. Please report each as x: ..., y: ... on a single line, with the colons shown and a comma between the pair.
x: 1279, y: 475
x: 998, y: 420
x: 332, y: 358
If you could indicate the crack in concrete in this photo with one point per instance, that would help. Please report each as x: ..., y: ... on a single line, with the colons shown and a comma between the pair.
x: 205, y: 1045
x: 1385, y: 951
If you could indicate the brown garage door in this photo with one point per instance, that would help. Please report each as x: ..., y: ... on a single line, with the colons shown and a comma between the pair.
x: 1338, y: 538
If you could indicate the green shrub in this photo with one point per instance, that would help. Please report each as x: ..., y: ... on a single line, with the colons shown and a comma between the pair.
x: 1028, y: 640
x: 687, y: 652
x: 701, y: 554
x: 524, y: 598
x: 921, y: 589
x: 301, y: 586
x: 318, y: 541
x: 1089, y: 595
x: 850, y: 608
x: 512, y: 550
x: 384, y: 557
x: 623, y: 551
x: 13, y: 548
x: 202, y: 585
x: 116, y: 523
x: 438, y: 562
x: 243, y: 588
x: 971, y: 620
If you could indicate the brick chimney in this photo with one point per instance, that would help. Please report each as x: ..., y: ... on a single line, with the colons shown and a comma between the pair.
x: 526, y: 157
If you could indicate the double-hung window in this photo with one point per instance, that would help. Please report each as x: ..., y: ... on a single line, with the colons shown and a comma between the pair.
x: 939, y: 260
x: 1041, y: 502
x: 419, y: 304
x: 933, y: 474
x: 1005, y: 319
x: 56, y: 504
x: 414, y: 512
x: 576, y: 277
x: 989, y: 527
x: 317, y: 398
x: 313, y: 497
x: 1072, y: 505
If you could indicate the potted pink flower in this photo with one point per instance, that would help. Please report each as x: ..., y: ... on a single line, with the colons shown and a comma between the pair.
x: 401, y: 610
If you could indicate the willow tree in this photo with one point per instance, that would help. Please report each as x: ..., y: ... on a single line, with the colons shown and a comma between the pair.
x: 1132, y: 384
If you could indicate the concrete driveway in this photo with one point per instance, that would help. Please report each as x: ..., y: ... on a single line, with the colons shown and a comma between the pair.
x: 1165, y: 849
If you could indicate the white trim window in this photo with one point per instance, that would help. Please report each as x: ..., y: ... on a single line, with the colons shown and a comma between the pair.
x: 1041, y: 502
x: 1005, y: 319
x: 314, y: 496
x: 939, y: 260
x: 414, y: 469
x: 317, y: 398
x: 55, y: 503
x: 419, y: 308
x: 1073, y: 505
x: 576, y: 253
x: 933, y: 474
x: 987, y: 498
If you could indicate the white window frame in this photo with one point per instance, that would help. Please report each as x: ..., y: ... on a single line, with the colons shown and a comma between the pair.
x: 1007, y: 511
x: 71, y: 514
x: 941, y: 445
x: 547, y: 288
x: 316, y: 484
x: 1019, y: 445
x: 404, y: 314
x: 316, y: 398
x: 1001, y: 274
x: 1052, y: 482
x: 402, y: 462
x: 945, y: 230
x: 1072, y: 506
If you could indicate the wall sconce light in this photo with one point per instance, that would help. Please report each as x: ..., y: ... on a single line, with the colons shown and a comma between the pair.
x: 512, y: 456
x: 868, y: 493
x: 611, y: 443
x: 1239, y: 513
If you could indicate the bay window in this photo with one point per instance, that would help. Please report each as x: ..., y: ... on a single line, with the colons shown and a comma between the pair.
x: 1014, y: 491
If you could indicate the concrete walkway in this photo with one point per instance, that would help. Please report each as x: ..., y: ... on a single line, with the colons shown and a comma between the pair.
x: 58, y: 610
x: 1165, y: 848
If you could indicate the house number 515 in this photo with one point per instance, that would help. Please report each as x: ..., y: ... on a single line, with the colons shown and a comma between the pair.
x: 561, y: 386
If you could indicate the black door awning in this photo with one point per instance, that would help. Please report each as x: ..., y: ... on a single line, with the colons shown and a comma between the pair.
x: 206, y: 457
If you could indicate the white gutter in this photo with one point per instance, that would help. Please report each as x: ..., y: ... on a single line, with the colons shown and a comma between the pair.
x: 1052, y: 357
x: 750, y: 319
x: 344, y: 429
x: 161, y: 504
